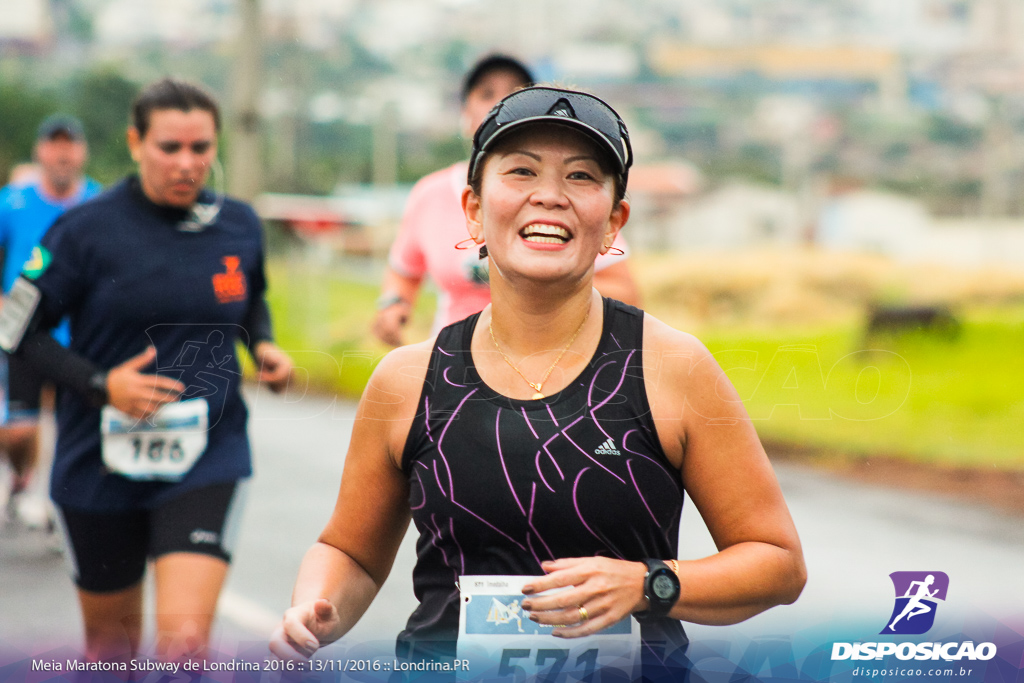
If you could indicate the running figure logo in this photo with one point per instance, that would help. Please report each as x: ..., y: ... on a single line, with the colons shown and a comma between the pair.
x: 916, y: 596
x: 501, y: 614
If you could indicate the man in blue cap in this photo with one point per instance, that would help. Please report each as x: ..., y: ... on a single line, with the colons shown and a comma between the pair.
x: 27, y: 210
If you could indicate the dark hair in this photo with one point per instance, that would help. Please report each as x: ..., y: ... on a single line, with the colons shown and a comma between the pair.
x: 604, y: 160
x: 492, y: 64
x: 171, y: 93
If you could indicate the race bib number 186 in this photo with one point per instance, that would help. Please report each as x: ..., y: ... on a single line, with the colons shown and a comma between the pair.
x: 163, y: 447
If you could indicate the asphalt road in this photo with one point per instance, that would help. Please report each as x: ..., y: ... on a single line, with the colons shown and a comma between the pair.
x: 853, y: 536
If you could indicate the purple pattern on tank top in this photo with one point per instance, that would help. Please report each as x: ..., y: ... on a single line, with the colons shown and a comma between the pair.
x: 529, y: 424
x: 501, y: 457
x: 423, y: 489
x: 450, y: 355
x: 436, y: 542
x: 529, y: 520
x: 437, y: 478
x: 590, y: 396
x: 451, y: 418
x: 451, y: 484
x: 615, y: 340
x: 629, y: 468
x: 622, y: 379
x: 581, y: 450
x: 533, y: 551
x: 579, y: 514
x: 661, y: 465
x: 462, y: 555
x: 540, y: 474
x: 552, y: 458
x: 552, y: 415
x: 426, y: 418
x: 445, y: 375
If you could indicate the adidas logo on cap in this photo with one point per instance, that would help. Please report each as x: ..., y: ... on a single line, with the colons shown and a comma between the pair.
x: 607, y: 448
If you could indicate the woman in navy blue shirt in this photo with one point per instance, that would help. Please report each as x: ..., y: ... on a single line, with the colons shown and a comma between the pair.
x: 160, y: 278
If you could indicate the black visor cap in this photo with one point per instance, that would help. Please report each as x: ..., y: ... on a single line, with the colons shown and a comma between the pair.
x: 578, y: 110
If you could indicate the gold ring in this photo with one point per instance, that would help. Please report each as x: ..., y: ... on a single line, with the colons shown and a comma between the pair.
x: 584, y: 615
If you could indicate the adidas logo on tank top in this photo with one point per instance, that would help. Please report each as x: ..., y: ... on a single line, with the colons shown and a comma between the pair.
x: 607, y: 448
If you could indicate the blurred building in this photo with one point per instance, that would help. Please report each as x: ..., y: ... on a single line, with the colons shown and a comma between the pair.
x: 26, y: 26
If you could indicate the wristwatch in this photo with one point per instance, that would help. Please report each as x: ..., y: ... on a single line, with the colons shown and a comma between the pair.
x: 661, y: 588
x: 389, y: 299
x: 97, y: 391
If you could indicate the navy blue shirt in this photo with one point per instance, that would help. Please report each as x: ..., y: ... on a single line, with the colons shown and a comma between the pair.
x: 129, y: 277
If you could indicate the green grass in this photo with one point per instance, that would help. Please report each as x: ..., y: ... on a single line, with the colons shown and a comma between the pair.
x: 323, y: 321
x: 957, y: 402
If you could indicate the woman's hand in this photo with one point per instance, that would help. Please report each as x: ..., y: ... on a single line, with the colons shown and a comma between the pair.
x: 275, y: 367
x: 608, y: 590
x: 138, y: 394
x: 304, y: 629
x: 389, y: 322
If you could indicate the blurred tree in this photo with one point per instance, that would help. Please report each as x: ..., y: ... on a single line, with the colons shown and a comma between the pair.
x: 103, y: 99
x: 21, y: 110
x: 949, y: 131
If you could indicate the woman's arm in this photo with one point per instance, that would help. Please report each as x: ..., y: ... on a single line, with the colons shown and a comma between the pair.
x: 705, y: 431
x: 398, y: 293
x: 125, y: 386
x: 342, y: 572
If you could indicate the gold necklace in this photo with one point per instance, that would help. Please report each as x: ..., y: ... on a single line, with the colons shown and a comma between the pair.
x: 537, y: 387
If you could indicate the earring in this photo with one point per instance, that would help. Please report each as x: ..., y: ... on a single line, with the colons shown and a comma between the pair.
x: 617, y: 252
x: 483, y: 251
x: 458, y: 245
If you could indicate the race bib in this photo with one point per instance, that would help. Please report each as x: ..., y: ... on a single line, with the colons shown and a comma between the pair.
x: 498, y: 641
x: 161, y: 447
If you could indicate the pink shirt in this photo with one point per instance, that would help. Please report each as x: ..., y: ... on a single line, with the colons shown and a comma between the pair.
x: 431, y: 225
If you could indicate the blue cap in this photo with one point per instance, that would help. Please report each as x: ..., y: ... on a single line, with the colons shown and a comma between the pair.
x: 61, y: 124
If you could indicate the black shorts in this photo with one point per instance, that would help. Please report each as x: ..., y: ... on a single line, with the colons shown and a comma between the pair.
x: 24, y: 385
x: 109, y: 551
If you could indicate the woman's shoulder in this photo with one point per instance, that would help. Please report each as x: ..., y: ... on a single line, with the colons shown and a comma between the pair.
x: 664, y: 341
x: 395, y: 385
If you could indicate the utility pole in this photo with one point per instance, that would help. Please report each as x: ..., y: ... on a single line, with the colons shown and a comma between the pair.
x: 385, y: 146
x: 245, y: 179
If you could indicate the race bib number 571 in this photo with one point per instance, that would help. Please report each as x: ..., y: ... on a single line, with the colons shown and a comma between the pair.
x: 499, y: 641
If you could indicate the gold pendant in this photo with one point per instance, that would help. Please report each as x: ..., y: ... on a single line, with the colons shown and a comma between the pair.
x: 537, y: 396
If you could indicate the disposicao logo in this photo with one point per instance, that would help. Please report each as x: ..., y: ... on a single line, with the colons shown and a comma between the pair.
x: 917, y: 596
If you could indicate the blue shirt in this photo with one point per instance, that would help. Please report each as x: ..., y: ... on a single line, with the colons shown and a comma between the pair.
x: 26, y: 213
x: 25, y: 216
x: 129, y: 277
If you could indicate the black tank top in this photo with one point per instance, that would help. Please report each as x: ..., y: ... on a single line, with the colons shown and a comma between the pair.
x: 498, y: 485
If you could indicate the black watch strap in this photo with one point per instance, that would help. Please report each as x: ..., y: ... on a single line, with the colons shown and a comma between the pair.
x: 661, y: 588
x: 98, y: 395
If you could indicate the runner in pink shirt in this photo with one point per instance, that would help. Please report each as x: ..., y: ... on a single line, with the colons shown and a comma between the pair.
x: 433, y: 224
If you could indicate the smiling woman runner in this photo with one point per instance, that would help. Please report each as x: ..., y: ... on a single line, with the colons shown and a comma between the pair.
x: 433, y: 222
x: 158, y: 275
x: 553, y: 434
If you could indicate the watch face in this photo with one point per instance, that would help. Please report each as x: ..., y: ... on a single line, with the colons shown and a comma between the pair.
x: 663, y: 587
